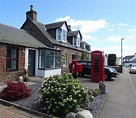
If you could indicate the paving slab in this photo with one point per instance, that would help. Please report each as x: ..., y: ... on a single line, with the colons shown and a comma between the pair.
x: 12, y: 112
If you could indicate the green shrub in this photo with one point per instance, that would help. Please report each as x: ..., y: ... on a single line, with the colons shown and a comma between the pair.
x: 95, y: 92
x: 62, y: 94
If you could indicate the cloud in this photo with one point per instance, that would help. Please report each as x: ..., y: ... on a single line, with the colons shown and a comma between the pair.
x: 116, y: 49
x: 88, y: 37
x: 122, y: 24
x: 132, y: 30
x: 129, y: 37
x: 110, y: 29
x: 85, y: 26
x: 63, y: 19
x: 114, y: 38
x: 118, y: 38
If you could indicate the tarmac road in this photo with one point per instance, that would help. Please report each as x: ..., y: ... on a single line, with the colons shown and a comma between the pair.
x: 121, y: 99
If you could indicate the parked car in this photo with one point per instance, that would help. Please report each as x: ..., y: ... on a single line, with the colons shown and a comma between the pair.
x: 86, y: 70
x: 113, y: 70
x: 133, y: 69
x: 110, y: 72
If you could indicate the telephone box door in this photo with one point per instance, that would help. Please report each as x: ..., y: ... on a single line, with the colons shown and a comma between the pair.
x: 97, y: 66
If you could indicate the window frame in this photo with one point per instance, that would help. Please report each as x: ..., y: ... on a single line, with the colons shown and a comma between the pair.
x: 64, y: 35
x: 40, y: 57
x: 51, y: 57
x: 76, y: 41
x: 10, y: 58
x: 59, y: 33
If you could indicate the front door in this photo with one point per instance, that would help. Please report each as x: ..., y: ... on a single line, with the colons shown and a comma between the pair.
x: 73, y: 56
x: 31, y: 63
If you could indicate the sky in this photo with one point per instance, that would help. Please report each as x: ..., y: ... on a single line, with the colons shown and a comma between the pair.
x: 103, y: 23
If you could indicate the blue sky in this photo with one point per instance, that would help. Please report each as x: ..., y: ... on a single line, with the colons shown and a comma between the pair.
x: 102, y: 22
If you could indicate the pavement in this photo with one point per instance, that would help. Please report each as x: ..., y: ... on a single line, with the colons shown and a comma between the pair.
x: 13, y: 112
x: 120, y: 101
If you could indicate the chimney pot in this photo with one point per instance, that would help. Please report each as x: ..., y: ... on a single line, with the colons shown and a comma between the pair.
x: 31, y: 7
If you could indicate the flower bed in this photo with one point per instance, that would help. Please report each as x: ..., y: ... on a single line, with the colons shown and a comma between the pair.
x: 33, y: 102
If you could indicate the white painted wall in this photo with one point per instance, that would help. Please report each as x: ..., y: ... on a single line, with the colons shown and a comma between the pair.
x: 26, y: 58
x: 64, y: 27
x: 40, y: 73
x: 47, y: 73
x: 52, y: 72
x: 105, y: 60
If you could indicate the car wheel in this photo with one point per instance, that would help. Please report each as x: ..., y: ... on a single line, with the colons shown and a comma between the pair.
x: 106, y: 76
x: 82, y: 74
x: 78, y: 74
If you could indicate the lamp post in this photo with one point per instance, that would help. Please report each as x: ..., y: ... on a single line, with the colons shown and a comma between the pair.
x: 121, y: 55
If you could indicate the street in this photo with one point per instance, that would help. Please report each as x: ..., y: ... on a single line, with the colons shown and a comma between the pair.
x: 120, y: 102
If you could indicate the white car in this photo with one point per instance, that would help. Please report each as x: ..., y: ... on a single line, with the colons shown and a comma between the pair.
x: 133, y: 69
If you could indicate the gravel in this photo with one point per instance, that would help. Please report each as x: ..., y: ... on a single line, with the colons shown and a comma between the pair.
x: 32, y: 102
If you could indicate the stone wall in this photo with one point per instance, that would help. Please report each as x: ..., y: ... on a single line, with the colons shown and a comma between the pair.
x: 69, y: 53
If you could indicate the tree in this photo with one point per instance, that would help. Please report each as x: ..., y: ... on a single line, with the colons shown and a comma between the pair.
x: 85, y: 56
x: 111, y: 59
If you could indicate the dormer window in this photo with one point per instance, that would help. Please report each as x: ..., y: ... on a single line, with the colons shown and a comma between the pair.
x: 59, y: 31
x: 64, y: 35
x: 76, y: 41
x: 61, y: 35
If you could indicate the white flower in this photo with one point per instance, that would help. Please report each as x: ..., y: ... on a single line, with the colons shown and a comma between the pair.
x: 64, y: 89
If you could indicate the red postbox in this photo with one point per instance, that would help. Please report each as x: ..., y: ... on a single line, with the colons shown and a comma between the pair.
x: 79, y: 67
x: 76, y: 67
x: 97, y: 66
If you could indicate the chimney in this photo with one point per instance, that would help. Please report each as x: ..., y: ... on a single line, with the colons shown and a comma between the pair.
x: 69, y: 27
x: 31, y: 15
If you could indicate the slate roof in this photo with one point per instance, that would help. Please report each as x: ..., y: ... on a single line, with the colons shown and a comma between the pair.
x: 43, y: 28
x: 55, y: 25
x: 134, y: 60
x: 11, y: 35
x: 85, y: 43
x: 74, y: 33
x: 128, y: 57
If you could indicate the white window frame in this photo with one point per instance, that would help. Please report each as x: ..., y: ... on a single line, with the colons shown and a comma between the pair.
x: 59, y: 33
x: 64, y: 35
x: 76, y: 41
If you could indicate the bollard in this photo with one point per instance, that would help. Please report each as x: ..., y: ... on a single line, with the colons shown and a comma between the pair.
x: 102, y: 87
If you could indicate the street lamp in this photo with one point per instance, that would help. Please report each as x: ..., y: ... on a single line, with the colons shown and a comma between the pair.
x: 121, y: 55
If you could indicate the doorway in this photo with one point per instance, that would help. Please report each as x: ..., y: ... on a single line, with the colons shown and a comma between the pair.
x: 31, y: 63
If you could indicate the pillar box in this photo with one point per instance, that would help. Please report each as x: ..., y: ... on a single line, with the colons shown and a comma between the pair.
x: 79, y: 67
x: 76, y: 67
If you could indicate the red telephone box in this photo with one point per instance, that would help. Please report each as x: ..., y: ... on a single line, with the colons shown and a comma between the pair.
x: 97, y: 66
